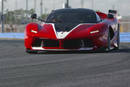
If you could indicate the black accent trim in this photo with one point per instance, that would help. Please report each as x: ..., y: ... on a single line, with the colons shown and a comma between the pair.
x: 71, y: 44
x: 37, y: 42
x: 88, y: 43
x: 45, y: 43
x: 50, y: 43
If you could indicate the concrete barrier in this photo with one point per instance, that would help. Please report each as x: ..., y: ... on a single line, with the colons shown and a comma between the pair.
x: 125, y: 37
x: 12, y: 35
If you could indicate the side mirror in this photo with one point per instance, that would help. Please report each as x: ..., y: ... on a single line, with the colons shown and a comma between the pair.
x: 110, y: 16
x: 34, y: 16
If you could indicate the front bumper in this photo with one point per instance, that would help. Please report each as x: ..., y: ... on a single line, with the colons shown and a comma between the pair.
x: 43, y: 49
x: 62, y: 45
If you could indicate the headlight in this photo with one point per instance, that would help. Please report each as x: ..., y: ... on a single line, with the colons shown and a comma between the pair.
x: 34, y: 31
x: 96, y: 31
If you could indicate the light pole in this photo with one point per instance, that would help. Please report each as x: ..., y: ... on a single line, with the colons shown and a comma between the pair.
x: 92, y: 4
x: 16, y: 4
x: 2, y: 16
x: 53, y: 4
x: 35, y: 5
x: 82, y: 3
x: 26, y: 8
x: 41, y: 4
x: 67, y: 4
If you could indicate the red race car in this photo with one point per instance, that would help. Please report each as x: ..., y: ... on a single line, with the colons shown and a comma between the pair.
x: 73, y: 30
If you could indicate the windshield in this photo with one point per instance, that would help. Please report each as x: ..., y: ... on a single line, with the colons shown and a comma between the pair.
x: 72, y: 18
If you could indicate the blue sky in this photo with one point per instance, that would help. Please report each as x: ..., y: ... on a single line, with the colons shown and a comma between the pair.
x: 103, y: 5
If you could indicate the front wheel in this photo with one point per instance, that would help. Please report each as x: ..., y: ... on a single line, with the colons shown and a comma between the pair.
x: 108, y: 42
x: 105, y: 48
x: 118, y: 38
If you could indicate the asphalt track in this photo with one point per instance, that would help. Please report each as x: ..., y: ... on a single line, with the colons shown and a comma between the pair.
x: 63, y: 69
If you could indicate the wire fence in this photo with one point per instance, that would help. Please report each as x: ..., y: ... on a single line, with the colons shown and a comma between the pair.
x: 125, y: 27
x: 14, y: 27
x: 17, y: 16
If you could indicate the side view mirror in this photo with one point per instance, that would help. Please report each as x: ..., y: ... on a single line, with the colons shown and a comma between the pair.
x: 110, y: 16
x: 34, y: 16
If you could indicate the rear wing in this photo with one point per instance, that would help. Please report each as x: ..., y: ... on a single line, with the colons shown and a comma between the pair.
x: 102, y: 15
x: 110, y: 12
x: 115, y: 14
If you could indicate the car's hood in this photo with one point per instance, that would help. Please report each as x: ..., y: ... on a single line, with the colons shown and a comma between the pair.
x: 79, y: 31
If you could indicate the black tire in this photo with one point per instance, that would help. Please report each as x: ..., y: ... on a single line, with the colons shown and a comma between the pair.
x: 108, y: 42
x: 118, y: 38
x: 31, y: 51
x: 105, y: 49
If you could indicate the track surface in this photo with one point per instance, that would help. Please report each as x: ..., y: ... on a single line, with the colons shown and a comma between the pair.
x: 69, y: 69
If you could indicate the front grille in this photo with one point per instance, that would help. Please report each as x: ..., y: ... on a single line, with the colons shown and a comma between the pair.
x: 45, y: 43
x: 37, y: 42
x: 73, y: 44
x: 70, y: 44
x: 87, y: 43
x: 67, y: 44
x: 50, y: 43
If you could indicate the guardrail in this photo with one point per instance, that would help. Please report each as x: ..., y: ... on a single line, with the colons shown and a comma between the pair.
x: 12, y: 35
x: 124, y: 36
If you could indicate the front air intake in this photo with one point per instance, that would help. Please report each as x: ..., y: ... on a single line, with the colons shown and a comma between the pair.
x: 45, y: 43
x: 72, y: 44
x: 50, y: 43
x: 37, y: 42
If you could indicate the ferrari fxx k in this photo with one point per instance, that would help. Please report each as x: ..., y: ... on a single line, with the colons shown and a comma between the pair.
x: 73, y: 30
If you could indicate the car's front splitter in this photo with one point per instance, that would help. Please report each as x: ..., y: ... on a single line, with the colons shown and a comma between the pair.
x: 43, y: 49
